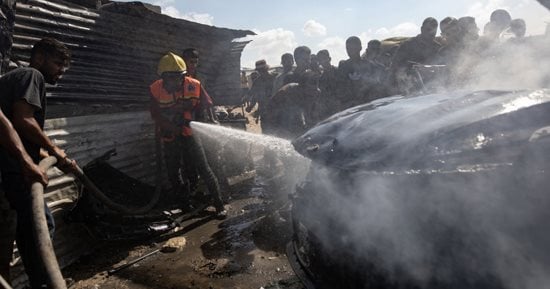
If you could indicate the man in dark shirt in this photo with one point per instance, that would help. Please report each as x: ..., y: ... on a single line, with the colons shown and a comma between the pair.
x: 261, y: 90
x: 12, y: 143
x: 23, y: 100
x: 286, y: 110
x: 420, y: 49
x: 328, y: 102
x: 352, y: 72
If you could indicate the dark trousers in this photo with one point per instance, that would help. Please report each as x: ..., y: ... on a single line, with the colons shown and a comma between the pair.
x: 19, y: 196
x: 186, y: 154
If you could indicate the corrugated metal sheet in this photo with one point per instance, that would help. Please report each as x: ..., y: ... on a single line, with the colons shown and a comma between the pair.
x: 115, y: 55
x: 85, y: 138
x: 100, y: 103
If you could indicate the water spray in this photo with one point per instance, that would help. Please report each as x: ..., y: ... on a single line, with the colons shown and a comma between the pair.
x: 293, y: 165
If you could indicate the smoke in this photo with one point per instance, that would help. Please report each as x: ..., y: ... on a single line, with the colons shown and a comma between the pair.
x: 442, y: 190
x: 443, y: 229
x: 513, y: 64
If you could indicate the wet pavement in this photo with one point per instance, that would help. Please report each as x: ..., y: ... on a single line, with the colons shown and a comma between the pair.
x: 246, y: 250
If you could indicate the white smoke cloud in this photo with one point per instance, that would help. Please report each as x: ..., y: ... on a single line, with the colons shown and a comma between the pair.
x: 531, y: 11
x: 168, y: 8
x: 313, y: 28
x: 268, y: 45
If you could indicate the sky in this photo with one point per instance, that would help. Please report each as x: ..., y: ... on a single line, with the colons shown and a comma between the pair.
x: 283, y: 25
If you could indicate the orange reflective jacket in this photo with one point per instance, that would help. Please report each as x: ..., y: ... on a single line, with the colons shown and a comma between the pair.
x: 179, y: 106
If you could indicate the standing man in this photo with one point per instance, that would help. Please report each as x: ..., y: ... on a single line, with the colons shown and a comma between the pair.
x: 286, y: 108
x: 175, y: 99
x: 261, y: 91
x: 421, y: 49
x: 352, y: 72
x: 191, y: 58
x: 302, y: 57
x: 205, y: 113
x: 287, y: 61
x: 23, y: 100
x: 328, y: 102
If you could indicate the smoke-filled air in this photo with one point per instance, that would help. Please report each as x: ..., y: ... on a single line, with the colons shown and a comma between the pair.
x: 444, y: 184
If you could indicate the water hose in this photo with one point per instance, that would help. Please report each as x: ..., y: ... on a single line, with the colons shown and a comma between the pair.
x: 97, y: 193
x: 4, y: 283
x: 40, y: 227
x: 41, y: 232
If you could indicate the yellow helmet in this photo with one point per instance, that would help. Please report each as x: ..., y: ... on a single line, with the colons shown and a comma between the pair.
x: 171, y: 63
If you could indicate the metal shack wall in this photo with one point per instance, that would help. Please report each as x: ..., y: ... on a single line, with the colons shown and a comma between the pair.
x: 85, y: 138
x: 101, y: 102
x: 115, y: 51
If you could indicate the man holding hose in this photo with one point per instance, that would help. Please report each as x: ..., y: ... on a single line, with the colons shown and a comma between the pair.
x: 23, y: 101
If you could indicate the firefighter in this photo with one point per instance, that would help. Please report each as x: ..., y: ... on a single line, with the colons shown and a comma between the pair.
x: 175, y: 98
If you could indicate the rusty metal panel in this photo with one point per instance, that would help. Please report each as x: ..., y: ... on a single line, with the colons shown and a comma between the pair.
x: 115, y: 50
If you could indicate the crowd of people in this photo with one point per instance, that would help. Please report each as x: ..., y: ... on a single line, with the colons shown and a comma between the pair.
x: 300, y: 96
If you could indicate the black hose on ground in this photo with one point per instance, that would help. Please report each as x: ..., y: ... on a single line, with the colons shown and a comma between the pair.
x: 96, y: 192
x: 40, y: 227
x: 41, y: 232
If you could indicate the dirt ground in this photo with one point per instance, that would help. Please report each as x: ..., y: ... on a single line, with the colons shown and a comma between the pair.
x: 246, y: 250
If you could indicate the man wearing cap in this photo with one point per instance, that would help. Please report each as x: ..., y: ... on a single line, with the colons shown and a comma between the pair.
x: 261, y: 90
x: 175, y: 98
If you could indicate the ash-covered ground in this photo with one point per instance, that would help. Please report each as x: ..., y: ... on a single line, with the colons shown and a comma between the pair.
x: 246, y: 250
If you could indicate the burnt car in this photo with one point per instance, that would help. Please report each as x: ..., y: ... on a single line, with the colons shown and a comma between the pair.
x: 444, y: 190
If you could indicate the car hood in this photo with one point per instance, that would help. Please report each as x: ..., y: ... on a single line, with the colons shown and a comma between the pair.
x: 431, y: 132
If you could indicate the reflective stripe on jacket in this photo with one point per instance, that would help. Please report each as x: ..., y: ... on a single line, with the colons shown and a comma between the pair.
x: 179, y: 106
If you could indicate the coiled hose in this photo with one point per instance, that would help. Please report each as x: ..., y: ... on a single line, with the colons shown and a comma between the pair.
x: 96, y: 192
x: 41, y: 232
x: 40, y: 227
